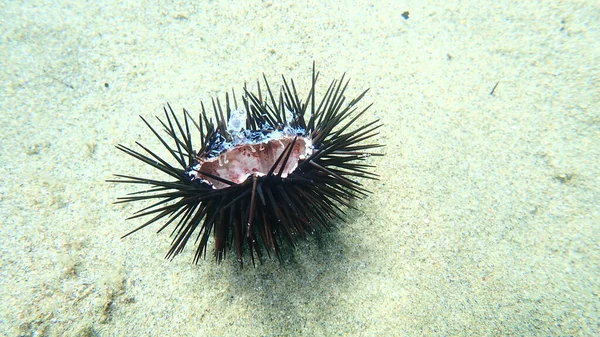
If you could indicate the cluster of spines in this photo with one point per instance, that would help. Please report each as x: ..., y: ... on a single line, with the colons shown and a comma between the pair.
x: 263, y: 210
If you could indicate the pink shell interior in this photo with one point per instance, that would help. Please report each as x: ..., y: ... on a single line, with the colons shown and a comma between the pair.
x: 241, y: 161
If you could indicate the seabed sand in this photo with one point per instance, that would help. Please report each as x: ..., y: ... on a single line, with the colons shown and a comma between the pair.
x: 485, y: 221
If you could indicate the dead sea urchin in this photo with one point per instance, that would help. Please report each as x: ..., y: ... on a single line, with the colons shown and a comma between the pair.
x: 266, y: 172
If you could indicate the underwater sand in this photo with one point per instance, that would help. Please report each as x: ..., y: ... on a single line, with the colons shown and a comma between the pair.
x: 485, y: 221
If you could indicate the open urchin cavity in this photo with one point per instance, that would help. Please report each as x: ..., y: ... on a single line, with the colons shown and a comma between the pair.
x: 266, y: 170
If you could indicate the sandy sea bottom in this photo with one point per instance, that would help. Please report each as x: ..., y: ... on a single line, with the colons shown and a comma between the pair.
x: 484, y: 221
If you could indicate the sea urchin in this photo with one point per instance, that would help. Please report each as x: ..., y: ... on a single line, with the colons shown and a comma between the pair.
x: 266, y: 173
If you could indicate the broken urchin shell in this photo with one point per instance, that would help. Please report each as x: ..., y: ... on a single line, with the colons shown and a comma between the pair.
x: 251, y: 153
x: 266, y: 172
